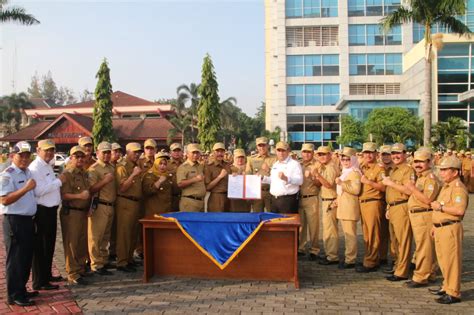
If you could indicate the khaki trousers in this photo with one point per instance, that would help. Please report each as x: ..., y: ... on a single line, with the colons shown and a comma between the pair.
x: 128, y: 212
x: 384, y: 236
x: 393, y: 244
x: 99, y: 230
x: 139, y: 243
x: 261, y: 205
x: 421, y: 225
x: 74, y: 232
x: 349, y: 227
x: 191, y: 205
x: 403, y: 235
x: 218, y: 202
x: 371, y: 213
x: 239, y: 205
x: 330, y: 231
x: 448, y: 244
x: 113, y: 237
x: 309, y: 215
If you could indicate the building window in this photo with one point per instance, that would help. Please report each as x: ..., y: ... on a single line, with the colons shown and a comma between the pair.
x: 374, y: 89
x: 319, y: 129
x: 312, y: 65
x: 310, y: 8
x: 372, y: 7
x: 312, y: 36
x: 373, y: 35
x: 312, y: 94
x: 375, y: 64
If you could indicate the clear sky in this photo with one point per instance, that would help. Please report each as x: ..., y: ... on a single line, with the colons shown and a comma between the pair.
x: 152, y: 46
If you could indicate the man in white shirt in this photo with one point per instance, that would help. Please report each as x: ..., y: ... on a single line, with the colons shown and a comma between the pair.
x: 285, y: 180
x: 48, y: 198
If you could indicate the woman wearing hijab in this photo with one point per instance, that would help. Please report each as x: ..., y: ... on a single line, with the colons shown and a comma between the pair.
x: 348, y: 211
x: 157, y: 186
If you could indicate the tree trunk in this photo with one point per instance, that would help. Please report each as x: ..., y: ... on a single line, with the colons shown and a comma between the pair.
x: 427, y: 106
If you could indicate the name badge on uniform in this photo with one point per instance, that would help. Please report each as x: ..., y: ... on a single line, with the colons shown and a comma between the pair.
x: 457, y: 199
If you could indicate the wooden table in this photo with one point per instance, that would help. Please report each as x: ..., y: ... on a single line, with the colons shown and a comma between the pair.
x: 270, y: 255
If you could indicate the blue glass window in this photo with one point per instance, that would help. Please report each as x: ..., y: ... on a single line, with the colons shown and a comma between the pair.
x: 375, y: 64
x: 357, y: 64
x: 312, y: 94
x: 373, y: 35
x: 312, y: 65
x: 393, y: 64
x: 330, y: 94
x: 357, y: 35
x: 294, y: 66
x: 295, y: 95
x: 311, y: 8
x: 372, y: 7
x: 356, y: 7
x: 454, y: 50
x: 294, y: 8
x: 453, y: 63
x: 329, y: 8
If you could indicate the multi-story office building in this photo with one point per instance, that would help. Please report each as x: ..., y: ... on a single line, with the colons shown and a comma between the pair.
x: 326, y: 58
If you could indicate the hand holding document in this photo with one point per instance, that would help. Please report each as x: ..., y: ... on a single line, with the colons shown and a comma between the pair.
x: 244, y: 187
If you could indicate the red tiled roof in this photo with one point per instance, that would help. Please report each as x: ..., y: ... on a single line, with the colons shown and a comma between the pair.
x: 119, y: 99
x: 27, y: 133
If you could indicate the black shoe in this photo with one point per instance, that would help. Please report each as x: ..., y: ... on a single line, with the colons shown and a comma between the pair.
x: 314, y: 257
x: 21, y: 302
x: 412, y: 266
x: 78, y: 281
x: 389, y: 270
x: 103, y: 272
x: 437, y: 291
x: 56, y: 279
x: 47, y: 287
x: 87, y: 274
x: 364, y: 269
x: 324, y: 261
x: 112, y: 258
x: 447, y: 299
x: 126, y: 269
x: 345, y: 266
x: 132, y: 266
x: 136, y: 263
x: 383, y: 262
x: 31, y: 294
x: 395, y: 278
x: 300, y: 254
x: 110, y: 266
x: 413, y: 284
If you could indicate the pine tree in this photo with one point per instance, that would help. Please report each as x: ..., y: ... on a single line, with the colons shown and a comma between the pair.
x: 34, y: 91
x: 102, y: 115
x: 208, y: 108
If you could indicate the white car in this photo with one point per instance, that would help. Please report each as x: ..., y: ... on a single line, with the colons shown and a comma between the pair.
x: 59, y: 161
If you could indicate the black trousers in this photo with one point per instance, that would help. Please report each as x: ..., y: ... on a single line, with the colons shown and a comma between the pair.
x: 18, y: 237
x: 45, y: 239
x: 284, y: 204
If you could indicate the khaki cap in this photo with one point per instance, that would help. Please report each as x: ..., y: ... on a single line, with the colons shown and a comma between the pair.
x: 21, y: 147
x: 175, y: 146
x: 421, y: 155
x: 462, y: 152
x: 218, y: 146
x: 282, y: 145
x: 348, y: 151
x: 149, y: 143
x: 46, y: 144
x: 77, y: 149
x: 104, y: 146
x: 133, y: 146
x: 450, y: 162
x: 307, y: 147
x: 398, y: 147
x: 323, y: 149
x: 84, y: 140
x: 262, y: 140
x: 239, y: 152
x: 116, y: 146
x: 369, y: 147
x: 162, y: 155
x: 385, y: 149
x: 193, y: 147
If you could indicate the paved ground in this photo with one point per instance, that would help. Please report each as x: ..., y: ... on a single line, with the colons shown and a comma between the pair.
x: 325, y: 290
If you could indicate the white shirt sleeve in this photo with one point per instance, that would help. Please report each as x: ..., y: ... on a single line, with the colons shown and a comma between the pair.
x: 296, y: 175
x: 43, y: 186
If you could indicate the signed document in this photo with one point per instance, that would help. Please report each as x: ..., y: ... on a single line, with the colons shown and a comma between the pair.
x: 244, y: 187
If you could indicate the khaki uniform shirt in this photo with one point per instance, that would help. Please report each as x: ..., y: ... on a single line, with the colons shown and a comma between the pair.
x: 400, y: 174
x: 145, y: 164
x: 97, y: 172
x: 466, y: 165
x: 158, y: 199
x: 212, y: 170
x: 239, y: 170
x: 122, y: 173
x: 329, y: 173
x: 453, y: 194
x: 254, y: 166
x: 428, y: 185
x: 77, y: 180
x: 308, y: 187
x: 373, y: 172
x: 172, y: 167
x: 89, y: 162
x: 188, y: 170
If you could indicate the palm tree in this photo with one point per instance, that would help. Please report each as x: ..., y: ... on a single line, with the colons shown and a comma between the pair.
x: 181, y: 121
x: 453, y: 133
x: 189, y: 95
x: 12, y: 109
x: 15, y: 14
x: 428, y: 13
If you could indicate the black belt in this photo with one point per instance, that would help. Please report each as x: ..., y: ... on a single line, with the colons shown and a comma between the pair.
x: 328, y: 199
x: 285, y: 196
x: 446, y: 223
x: 78, y: 209
x: 396, y: 203
x: 308, y: 196
x: 22, y: 216
x: 219, y: 192
x: 369, y: 200
x: 265, y: 189
x: 110, y: 204
x: 129, y: 198
x: 195, y: 198
x: 420, y: 210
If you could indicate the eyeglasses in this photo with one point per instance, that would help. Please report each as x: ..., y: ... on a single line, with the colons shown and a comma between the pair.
x: 345, y: 159
x: 281, y: 150
x: 321, y: 154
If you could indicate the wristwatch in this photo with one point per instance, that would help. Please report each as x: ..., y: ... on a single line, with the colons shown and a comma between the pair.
x: 442, y: 206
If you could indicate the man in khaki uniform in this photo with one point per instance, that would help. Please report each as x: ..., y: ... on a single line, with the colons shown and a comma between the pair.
x: 448, y: 212
x: 397, y: 194
x: 260, y: 164
x: 87, y: 145
x: 73, y: 216
x: 466, y: 169
x: 309, y: 204
x: 423, y: 192
x: 176, y: 159
x: 129, y: 194
x: 190, y: 178
x: 146, y: 161
x: 371, y: 206
x: 326, y: 174
x: 102, y: 185
x: 216, y: 174
x: 115, y: 159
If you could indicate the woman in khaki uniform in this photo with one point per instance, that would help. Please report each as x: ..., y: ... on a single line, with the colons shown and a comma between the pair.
x: 348, y: 208
x: 238, y: 168
x: 157, y: 186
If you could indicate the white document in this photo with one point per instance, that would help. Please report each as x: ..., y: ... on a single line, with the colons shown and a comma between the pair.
x: 244, y: 187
